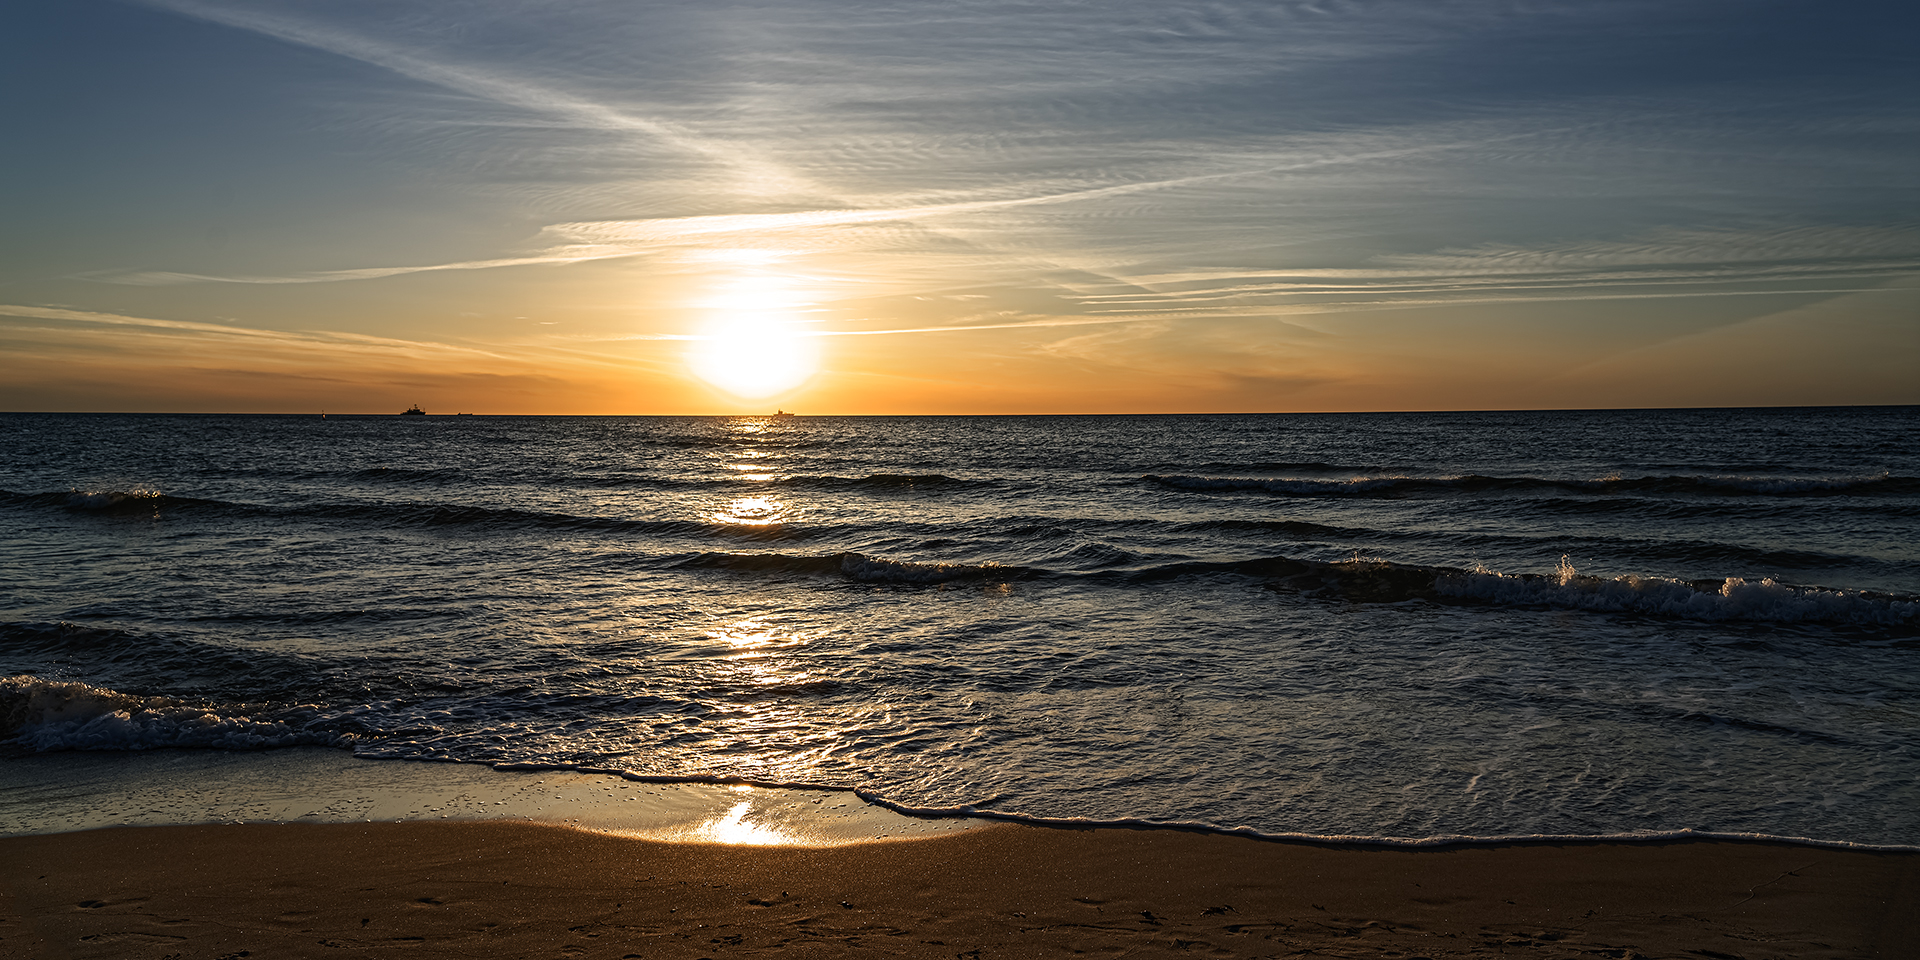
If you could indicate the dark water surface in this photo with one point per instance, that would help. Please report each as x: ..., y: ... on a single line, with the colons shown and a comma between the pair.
x: 1379, y: 625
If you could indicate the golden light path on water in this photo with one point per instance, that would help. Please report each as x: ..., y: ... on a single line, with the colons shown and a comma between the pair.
x: 752, y: 511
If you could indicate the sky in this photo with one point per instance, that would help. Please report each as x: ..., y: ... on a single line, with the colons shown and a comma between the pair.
x: 957, y: 207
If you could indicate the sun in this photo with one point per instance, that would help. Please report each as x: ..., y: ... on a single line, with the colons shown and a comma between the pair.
x: 754, y: 359
x: 753, y: 347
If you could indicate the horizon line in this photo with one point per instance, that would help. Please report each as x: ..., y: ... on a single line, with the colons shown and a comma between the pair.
x: 849, y: 416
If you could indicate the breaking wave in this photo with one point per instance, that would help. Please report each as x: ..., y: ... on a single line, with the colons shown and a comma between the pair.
x: 1732, y: 598
x: 854, y: 566
x: 152, y: 503
x: 139, y: 500
x: 41, y: 715
x: 1372, y: 580
x: 1403, y: 486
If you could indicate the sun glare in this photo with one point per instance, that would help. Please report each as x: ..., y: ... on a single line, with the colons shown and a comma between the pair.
x: 752, y: 348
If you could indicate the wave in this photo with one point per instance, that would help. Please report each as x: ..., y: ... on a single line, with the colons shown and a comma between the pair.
x: 1372, y: 580
x: 854, y: 566
x: 216, y: 672
x: 427, y: 475
x: 442, y: 476
x: 508, y: 518
x: 873, y: 481
x: 1404, y: 486
x: 427, y: 514
x: 1302, y: 529
x: 137, y: 501
x: 40, y: 715
x: 1272, y: 466
x: 646, y: 481
x: 911, y: 480
x: 1357, y: 580
x: 1732, y: 598
x: 72, y: 642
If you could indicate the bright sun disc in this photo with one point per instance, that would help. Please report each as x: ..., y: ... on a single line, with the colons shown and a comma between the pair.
x: 754, y: 359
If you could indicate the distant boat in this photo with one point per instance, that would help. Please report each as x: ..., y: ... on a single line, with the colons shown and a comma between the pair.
x: 782, y: 413
x: 414, y: 411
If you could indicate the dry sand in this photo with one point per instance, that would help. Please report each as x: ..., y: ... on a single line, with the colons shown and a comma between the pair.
x: 515, y: 889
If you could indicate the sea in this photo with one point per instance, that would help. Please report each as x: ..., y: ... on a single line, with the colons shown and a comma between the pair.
x: 1393, y: 625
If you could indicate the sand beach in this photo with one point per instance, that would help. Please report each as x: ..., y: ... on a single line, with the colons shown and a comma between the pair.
x: 207, y: 855
x: 519, y: 889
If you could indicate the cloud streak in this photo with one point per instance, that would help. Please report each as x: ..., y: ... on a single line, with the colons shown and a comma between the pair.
x: 1760, y: 262
x: 494, y: 85
x: 291, y: 342
x: 583, y: 241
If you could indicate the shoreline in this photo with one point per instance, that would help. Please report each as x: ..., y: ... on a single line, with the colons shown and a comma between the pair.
x: 84, y: 790
x: 57, y: 793
x: 322, y: 854
x: 511, y: 889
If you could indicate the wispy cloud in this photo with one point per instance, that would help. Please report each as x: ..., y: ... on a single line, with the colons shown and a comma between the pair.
x: 289, y: 341
x: 581, y: 241
x: 961, y: 327
x: 1668, y: 263
x: 608, y: 239
x: 1809, y: 245
x: 489, y: 83
x: 167, y: 278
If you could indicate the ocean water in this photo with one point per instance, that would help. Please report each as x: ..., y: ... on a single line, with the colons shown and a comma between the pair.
x: 1372, y: 625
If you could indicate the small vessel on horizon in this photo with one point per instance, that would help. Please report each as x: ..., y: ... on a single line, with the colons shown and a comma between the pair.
x: 413, y: 411
x: 782, y: 413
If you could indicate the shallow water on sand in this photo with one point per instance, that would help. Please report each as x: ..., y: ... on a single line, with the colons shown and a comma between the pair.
x: 1375, y: 625
x: 56, y: 793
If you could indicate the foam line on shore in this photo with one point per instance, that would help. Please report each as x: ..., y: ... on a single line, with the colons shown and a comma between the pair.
x: 53, y: 793
x: 65, y: 792
x: 1133, y: 823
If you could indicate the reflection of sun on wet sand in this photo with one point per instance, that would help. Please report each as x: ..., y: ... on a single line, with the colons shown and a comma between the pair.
x: 517, y: 889
x: 79, y: 791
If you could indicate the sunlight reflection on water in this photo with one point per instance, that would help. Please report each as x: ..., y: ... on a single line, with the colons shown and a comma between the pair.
x: 756, y: 637
x: 734, y: 829
x: 752, y: 511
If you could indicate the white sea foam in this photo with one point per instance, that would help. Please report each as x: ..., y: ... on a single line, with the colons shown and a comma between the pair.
x: 108, y: 499
x: 48, y: 715
x: 1734, y: 599
x: 862, y: 567
x: 973, y: 812
x: 1682, y: 484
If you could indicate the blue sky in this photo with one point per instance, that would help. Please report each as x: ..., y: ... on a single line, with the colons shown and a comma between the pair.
x: 957, y: 207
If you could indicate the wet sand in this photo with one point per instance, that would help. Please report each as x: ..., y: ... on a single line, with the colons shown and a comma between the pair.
x: 517, y: 889
x: 62, y: 792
